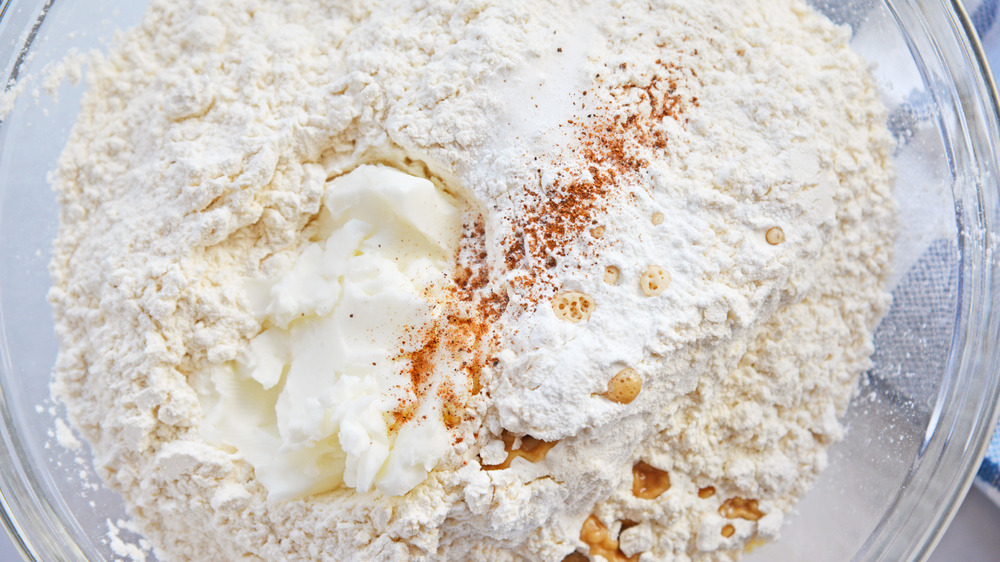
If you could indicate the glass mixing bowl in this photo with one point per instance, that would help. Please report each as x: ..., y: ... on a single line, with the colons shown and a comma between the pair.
x: 916, y: 432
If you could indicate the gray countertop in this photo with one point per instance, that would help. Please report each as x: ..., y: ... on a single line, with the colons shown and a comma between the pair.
x: 974, y: 534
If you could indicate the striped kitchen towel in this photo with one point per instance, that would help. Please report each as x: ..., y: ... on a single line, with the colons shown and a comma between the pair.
x: 921, y: 288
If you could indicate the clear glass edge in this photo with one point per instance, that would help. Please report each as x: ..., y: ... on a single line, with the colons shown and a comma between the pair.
x: 906, y: 534
x: 987, y: 355
x: 27, y: 515
x: 7, y: 514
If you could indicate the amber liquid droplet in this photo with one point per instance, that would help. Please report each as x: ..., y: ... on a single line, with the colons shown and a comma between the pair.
x: 739, y: 508
x: 531, y: 450
x: 624, y: 387
x: 649, y: 482
x: 775, y: 236
x: 598, y: 538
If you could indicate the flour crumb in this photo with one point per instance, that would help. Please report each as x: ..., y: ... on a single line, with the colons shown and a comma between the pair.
x: 68, y: 69
x: 122, y: 549
x: 64, y: 436
x: 9, y: 96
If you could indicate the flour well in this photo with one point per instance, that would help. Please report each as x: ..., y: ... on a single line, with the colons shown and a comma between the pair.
x: 675, y: 224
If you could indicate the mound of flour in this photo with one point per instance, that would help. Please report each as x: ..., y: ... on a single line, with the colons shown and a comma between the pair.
x: 710, y: 181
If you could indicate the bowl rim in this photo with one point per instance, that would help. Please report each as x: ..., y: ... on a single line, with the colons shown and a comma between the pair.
x: 23, y: 512
x: 980, y: 438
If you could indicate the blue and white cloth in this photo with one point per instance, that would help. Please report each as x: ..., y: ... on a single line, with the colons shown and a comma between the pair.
x: 984, y: 17
x: 925, y: 279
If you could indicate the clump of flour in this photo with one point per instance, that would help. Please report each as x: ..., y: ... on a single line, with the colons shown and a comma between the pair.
x: 712, y: 180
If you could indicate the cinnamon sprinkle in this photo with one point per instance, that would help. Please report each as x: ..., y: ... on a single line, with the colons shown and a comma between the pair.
x: 612, y: 146
x: 615, y: 144
x: 464, y: 332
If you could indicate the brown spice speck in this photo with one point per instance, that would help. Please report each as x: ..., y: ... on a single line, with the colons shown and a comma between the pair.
x: 463, y: 331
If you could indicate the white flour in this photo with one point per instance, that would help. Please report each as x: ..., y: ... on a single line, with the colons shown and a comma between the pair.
x: 711, y: 179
